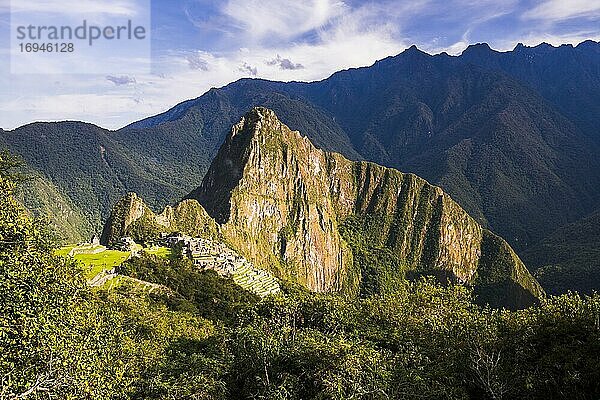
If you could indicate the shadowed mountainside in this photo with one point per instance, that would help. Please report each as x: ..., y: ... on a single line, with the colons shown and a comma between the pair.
x: 318, y: 218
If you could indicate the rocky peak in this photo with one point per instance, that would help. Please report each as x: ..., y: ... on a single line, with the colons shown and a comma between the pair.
x: 480, y: 48
x: 519, y: 47
x: 129, y: 209
x: 258, y: 132
x: 280, y: 201
x: 319, y: 219
x: 268, y: 188
x: 414, y: 51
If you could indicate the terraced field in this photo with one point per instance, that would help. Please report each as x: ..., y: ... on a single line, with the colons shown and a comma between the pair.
x: 251, y: 279
x: 100, y: 262
x: 96, y: 259
x: 256, y: 281
x: 164, y: 252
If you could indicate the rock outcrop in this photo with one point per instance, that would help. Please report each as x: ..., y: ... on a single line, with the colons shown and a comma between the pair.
x: 132, y: 217
x: 302, y: 213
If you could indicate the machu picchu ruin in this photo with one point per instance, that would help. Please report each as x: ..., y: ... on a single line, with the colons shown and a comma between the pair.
x: 209, y: 254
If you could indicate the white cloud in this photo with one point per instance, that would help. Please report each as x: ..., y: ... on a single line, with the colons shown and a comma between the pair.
x: 323, y: 36
x: 4, y: 6
x: 558, y: 10
x: 285, y: 63
x: 349, y: 40
x: 456, y: 49
x: 284, y: 18
x: 112, y: 106
x: 121, y: 80
x: 248, y: 69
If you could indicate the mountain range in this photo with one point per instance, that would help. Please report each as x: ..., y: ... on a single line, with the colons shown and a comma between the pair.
x: 513, y: 137
x: 328, y: 223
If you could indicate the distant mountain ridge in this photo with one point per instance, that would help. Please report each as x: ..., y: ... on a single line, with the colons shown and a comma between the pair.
x: 90, y: 169
x: 426, y: 114
x: 566, y: 76
x: 312, y: 216
x: 512, y: 136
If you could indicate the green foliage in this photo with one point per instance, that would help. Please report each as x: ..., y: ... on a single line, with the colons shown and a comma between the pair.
x: 50, y: 338
x: 90, y: 169
x: 554, y: 349
x: 423, y: 341
x: 379, y: 268
x: 45, y: 200
x: 10, y: 168
x: 201, y: 292
x: 58, y: 339
x: 569, y: 259
x: 502, y: 280
x: 168, y: 354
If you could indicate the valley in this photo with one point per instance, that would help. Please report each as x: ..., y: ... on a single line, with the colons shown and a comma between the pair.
x: 426, y: 227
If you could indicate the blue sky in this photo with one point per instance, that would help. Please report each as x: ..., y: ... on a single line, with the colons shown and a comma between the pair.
x: 199, y: 44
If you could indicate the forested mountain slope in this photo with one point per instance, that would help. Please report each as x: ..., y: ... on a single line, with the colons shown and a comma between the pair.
x: 510, y: 136
x: 331, y: 224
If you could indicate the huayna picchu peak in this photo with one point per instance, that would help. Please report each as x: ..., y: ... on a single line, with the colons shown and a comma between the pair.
x: 331, y: 224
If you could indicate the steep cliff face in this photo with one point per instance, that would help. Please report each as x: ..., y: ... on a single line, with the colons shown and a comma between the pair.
x: 281, y: 202
x: 334, y: 224
x: 269, y: 188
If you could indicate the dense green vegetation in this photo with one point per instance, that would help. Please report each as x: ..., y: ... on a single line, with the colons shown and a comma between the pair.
x: 83, y: 168
x: 49, y: 328
x: 45, y: 200
x: 569, y: 258
x: 203, y: 337
x: 376, y: 268
x: 499, y: 281
x: 200, y: 292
